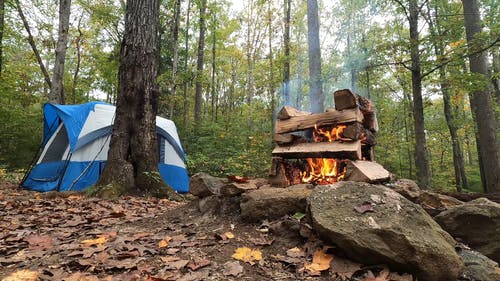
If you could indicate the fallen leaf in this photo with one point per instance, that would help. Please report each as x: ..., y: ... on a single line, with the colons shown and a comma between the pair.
x: 365, y: 207
x: 39, y: 242
x: 97, y: 241
x: 198, y: 263
x: 164, y: 242
x: 344, y: 268
x: 176, y: 264
x: 229, y: 235
x: 261, y: 241
x: 232, y: 269
x: 247, y: 255
x: 287, y: 259
x: 406, y: 277
x: 22, y: 275
x: 238, y: 179
x: 295, y: 253
x: 321, y: 261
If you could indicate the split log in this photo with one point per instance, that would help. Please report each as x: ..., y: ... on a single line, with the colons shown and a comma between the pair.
x: 345, y: 99
x: 366, y: 171
x: 341, y: 150
x: 288, y: 112
x: 297, y: 123
x: 277, y: 173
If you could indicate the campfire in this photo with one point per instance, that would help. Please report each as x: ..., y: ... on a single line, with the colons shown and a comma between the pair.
x: 324, y: 148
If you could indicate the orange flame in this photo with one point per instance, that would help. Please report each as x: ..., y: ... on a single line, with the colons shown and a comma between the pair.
x: 330, y: 135
x: 323, y: 171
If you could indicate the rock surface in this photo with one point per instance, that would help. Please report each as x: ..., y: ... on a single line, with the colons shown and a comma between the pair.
x: 406, y: 187
x: 203, y: 185
x: 478, y: 266
x: 434, y: 203
x: 273, y: 203
x: 475, y: 223
x: 374, y: 224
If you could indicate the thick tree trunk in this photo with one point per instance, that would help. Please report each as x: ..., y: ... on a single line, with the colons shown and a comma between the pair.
x: 271, y: 64
x: 316, y: 89
x: 286, y: 42
x: 132, y: 165
x: 482, y: 104
x: 56, y: 94
x: 78, y: 46
x: 421, y: 156
x: 199, y: 66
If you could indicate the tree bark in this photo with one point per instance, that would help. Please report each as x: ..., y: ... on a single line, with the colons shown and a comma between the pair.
x: 316, y: 89
x: 175, y: 60
x: 33, y: 45
x: 56, y: 94
x: 199, y: 65
x: 132, y: 165
x: 286, y: 42
x: 458, y: 159
x: 2, y: 23
x: 78, y: 43
x: 185, y: 98
x: 213, y: 97
x: 482, y: 104
x: 271, y: 65
x: 421, y: 156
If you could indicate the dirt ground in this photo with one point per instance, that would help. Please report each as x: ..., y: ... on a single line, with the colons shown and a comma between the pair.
x: 56, y: 236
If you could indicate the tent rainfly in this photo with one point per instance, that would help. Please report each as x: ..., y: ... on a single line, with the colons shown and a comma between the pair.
x: 75, y: 147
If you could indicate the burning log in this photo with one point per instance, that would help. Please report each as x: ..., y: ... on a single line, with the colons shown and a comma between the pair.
x: 366, y: 171
x: 304, y: 122
x: 342, y: 150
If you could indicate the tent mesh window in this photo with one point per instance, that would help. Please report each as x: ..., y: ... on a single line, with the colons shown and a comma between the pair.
x: 57, y: 146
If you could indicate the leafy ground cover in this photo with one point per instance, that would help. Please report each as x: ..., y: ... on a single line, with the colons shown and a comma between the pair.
x: 57, y: 236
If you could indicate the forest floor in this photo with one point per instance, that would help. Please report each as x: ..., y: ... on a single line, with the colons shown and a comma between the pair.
x: 60, y: 236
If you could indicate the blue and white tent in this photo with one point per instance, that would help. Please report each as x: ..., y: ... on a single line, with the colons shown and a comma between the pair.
x: 75, y: 149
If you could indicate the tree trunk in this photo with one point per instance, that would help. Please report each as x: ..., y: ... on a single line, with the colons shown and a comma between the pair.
x: 482, y: 104
x: 132, y: 165
x: 421, y: 156
x: 175, y: 60
x: 56, y: 94
x: 212, y: 84
x: 199, y: 66
x: 458, y: 159
x: 2, y: 23
x: 286, y: 42
x: 78, y: 47
x: 271, y: 64
x: 316, y: 89
x: 185, y: 98
x: 33, y: 45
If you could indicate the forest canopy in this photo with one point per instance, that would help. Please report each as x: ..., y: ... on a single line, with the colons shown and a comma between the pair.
x: 226, y: 68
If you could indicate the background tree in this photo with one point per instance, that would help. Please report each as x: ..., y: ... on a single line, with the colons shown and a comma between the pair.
x: 482, y: 101
x: 316, y: 95
x: 199, y: 65
x: 132, y: 165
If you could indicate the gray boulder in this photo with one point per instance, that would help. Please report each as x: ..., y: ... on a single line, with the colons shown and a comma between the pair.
x: 475, y: 223
x: 274, y: 203
x: 478, y: 266
x: 203, y: 185
x: 373, y: 224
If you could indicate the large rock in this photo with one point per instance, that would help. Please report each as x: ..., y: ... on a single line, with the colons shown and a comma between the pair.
x: 475, y: 223
x: 374, y: 224
x: 406, y: 187
x: 435, y: 203
x: 203, y: 185
x: 273, y: 203
x: 478, y: 266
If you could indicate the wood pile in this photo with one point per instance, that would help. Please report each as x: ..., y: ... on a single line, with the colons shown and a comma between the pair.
x: 354, y: 125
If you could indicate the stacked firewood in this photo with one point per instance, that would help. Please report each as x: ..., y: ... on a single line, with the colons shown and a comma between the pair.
x: 354, y: 123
